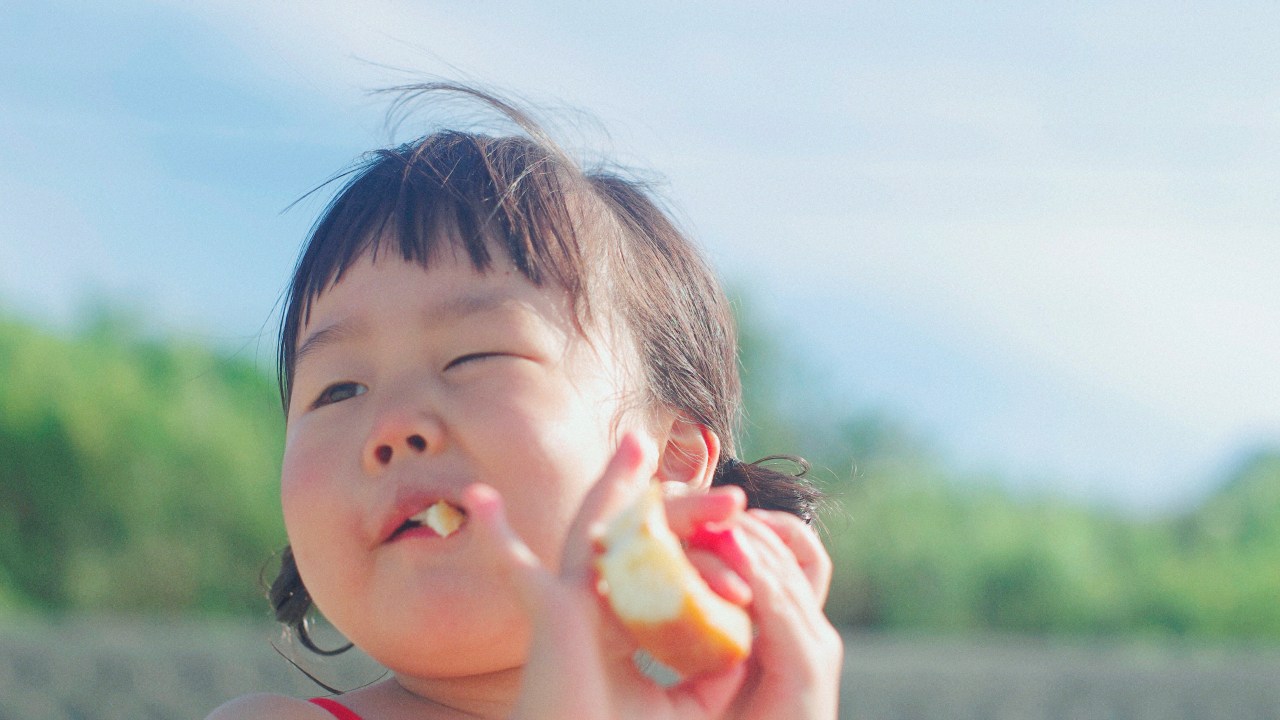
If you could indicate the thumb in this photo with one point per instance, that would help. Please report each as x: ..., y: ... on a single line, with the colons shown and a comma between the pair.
x: 563, y: 646
x: 505, y: 551
x: 623, y: 478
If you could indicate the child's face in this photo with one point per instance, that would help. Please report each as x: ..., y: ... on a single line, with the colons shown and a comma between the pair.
x: 409, y: 386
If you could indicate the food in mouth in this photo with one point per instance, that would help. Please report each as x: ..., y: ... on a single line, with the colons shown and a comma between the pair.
x: 659, y: 596
x: 442, y: 517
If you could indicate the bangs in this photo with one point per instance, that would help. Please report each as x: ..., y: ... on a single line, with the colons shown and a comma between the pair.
x: 453, y: 192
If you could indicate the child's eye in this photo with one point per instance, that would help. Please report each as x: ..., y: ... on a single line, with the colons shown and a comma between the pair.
x: 338, y: 392
x: 471, y: 357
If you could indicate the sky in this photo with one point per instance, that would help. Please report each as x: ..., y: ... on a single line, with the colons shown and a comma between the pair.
x: 1041, y: 234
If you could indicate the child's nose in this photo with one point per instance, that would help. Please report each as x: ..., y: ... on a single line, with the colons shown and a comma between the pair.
x: 384, y: 452
x: 396, y: 439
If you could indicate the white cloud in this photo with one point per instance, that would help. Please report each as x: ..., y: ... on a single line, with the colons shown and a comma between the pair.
x: 1041, y: 186
x: 1135, y: 294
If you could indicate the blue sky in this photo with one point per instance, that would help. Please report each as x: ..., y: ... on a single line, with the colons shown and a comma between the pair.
x: 1044, y: 234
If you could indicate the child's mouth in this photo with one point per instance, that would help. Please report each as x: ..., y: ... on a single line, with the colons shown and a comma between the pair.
x: 442, y: 518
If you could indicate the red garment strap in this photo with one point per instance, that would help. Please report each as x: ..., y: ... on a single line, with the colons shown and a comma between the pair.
x: 336, y: 708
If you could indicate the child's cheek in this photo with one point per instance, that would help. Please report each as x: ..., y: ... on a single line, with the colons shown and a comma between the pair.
x: 293, y: 493
x: 302, y: 478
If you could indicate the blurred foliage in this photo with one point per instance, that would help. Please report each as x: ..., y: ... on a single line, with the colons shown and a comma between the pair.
x: 140, y: 475
x: 919, y: 547
x: 135, y: 474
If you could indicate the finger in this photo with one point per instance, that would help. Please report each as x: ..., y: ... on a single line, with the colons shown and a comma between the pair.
x: 720, y: 577
x: 623, y: 478
x: 563, y: 640
x: 709, y: 695
x: 805, y: 544
x: 784, y: 604
x: 686, y: 513
x: 723, y: 541
x: 772, y: 564
x: 797, y: 652
x: 487, y: 517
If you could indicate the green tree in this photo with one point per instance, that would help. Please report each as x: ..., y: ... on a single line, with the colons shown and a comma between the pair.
x: 137, y: 474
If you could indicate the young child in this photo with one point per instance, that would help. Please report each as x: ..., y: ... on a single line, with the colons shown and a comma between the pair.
x: 477, y: 320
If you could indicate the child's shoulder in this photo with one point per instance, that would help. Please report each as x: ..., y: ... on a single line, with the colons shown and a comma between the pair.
x: 266, y: 705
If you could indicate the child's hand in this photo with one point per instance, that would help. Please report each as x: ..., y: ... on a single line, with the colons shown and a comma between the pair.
x: 704, y: 521
x: 775, y: 562
x: 580, y: 663
x: 796, y: 662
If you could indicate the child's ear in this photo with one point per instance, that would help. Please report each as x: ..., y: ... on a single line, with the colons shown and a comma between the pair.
x: 689, y: 455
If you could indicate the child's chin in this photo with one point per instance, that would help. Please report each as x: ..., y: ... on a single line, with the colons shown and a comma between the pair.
x: 442, y: 657
x: 454, y: 639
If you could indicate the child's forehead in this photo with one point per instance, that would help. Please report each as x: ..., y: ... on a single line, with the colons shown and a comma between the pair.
x: 391, y: 291
x: 381, y: 293
x: 551, y: 238
x: 449, y: 285
x: 389, y: 266
x: 382, y: 265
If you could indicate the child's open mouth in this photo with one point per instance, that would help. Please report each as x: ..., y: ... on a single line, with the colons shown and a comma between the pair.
x: 442, y: 518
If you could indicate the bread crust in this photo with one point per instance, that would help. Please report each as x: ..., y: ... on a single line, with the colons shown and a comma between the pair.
x: 661, y: 599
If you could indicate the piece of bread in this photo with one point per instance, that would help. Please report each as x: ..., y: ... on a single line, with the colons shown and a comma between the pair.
x: 444, y: 518
x: 660, y: 597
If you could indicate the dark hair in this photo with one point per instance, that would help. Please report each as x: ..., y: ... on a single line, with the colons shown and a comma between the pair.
x: 596, y: 234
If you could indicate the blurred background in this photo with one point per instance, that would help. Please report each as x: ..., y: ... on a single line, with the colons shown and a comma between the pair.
x: 1006, y: 275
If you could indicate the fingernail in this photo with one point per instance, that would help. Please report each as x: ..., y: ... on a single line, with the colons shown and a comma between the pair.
x: 738, y: 494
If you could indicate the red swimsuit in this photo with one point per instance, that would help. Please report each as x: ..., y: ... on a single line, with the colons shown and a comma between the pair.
x: 338, y: 710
